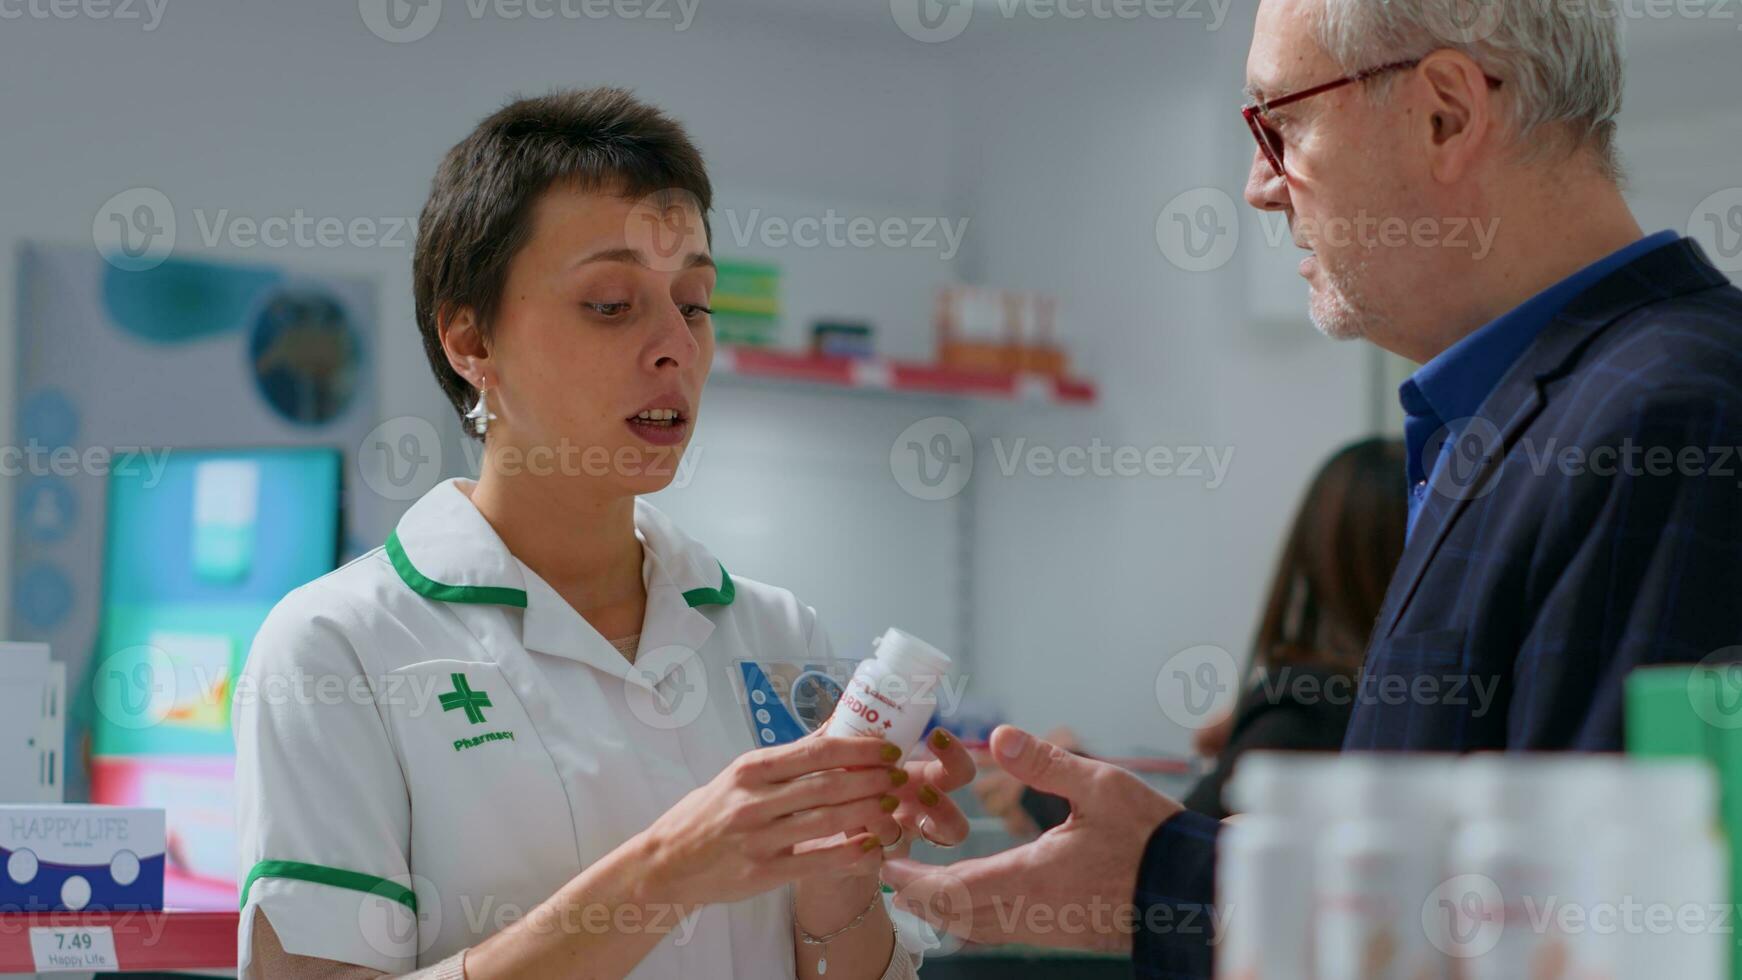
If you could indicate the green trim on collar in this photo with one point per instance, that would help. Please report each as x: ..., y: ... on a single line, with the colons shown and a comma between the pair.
x: 721, y: 596
x: 337, y: 877
x: 489, y: 595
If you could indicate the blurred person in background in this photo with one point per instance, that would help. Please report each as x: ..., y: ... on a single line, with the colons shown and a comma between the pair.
x: 1330, y: 582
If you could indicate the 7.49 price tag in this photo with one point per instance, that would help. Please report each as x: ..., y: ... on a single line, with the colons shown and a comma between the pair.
x: 73, y: 948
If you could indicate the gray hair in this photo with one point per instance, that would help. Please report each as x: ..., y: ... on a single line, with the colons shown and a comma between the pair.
x: 1560, y: 59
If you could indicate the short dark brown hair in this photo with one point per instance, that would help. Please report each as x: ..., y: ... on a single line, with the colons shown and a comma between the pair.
x: 478, y: 215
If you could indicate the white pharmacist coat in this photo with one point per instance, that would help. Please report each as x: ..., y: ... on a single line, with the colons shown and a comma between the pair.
x: 431, y: 741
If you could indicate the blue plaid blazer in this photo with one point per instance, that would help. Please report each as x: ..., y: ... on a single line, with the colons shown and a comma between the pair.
x: 1586, y: 522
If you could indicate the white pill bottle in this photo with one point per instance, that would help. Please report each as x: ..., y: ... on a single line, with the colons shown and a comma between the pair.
x: 1264, y: 865
x: 1378, y: 867
x: 1523, y: 861
x: 1666, y: 858
x: 892, y: 694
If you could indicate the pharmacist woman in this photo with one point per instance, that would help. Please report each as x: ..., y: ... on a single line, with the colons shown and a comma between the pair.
x: 507, y: 743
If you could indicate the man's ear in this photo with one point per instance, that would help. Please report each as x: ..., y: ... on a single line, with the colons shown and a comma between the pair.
x: 1458, y: 113
x: 463, y: 341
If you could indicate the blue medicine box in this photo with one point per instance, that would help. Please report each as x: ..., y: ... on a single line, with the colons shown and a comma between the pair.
x: 71, y: 857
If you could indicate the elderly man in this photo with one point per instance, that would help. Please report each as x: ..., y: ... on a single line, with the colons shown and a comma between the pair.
x: 1574, y: 504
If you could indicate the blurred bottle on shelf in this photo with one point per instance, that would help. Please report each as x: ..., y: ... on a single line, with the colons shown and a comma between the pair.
x: 1494, y: 866
x: 1264, y: 867
x: 1667, y: 864
x: 1380, y: 867
x: 1523, y: 876
x: 982, y: 328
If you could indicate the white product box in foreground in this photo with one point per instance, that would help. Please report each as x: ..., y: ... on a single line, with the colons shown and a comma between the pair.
x: 80, y: 856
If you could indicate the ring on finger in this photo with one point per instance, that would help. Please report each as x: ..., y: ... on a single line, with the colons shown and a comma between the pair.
x: 929, y: 839
x: 901, y: 834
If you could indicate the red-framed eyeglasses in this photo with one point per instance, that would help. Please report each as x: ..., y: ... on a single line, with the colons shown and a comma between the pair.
x: 1270, y: 141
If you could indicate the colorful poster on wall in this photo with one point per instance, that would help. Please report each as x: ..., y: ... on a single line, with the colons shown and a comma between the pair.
x: 182, y: 432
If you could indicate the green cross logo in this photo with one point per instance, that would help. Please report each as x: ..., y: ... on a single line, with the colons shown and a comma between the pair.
x: 462, y: 696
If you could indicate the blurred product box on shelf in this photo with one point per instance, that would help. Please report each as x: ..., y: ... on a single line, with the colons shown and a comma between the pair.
x: 833, y: 339
x: 982, y: 328
x: 1492, y: 866
x: 76, y: 857
x: 746, y: 303
x: 32, y: 724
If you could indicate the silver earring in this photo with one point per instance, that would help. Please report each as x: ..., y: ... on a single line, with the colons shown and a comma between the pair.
x: 480, y: 415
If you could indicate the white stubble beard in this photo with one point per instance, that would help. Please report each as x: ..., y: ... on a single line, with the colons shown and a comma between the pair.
x: 1338, y: 304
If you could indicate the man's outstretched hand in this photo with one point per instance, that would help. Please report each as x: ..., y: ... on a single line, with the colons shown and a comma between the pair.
x: 1070, y: 888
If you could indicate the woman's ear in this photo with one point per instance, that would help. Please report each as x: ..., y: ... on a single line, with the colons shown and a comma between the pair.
x: 463, y: 342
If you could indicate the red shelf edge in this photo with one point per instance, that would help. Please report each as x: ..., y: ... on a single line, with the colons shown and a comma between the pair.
x: 908, y: 376
x: 175, y: 939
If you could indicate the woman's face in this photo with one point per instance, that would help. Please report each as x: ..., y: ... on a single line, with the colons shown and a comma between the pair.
x: 602, y: 341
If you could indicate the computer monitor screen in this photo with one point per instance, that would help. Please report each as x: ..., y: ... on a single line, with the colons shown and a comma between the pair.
x: 196, y: 554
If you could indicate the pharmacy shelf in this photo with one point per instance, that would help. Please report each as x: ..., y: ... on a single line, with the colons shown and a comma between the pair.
x: 177, y: 939
x: 777, y: 367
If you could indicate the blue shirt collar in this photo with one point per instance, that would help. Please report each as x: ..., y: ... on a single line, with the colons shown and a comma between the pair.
x: 1453, y: 386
